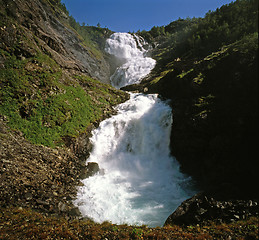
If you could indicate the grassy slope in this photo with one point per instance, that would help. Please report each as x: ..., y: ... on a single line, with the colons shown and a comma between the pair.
x: 46, y: 105
x: 42, y: 100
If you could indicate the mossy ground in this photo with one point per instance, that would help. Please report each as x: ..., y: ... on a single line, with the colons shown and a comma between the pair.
x: 46, y: 105
x: 19, y: 223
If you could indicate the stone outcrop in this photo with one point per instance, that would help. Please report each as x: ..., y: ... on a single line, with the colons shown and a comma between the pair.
x: 90, y: 169
x: 202, y: 209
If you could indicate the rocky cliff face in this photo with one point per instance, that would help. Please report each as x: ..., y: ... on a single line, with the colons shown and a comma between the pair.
x: 214, y: 133
x: 44, y: 28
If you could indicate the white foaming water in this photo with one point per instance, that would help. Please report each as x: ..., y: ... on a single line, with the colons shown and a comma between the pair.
x: 140, y: 183
x: 129, y: 48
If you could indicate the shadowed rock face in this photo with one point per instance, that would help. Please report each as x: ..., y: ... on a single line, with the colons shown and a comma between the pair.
x: 37, y: 18
x: 215, y: 130
x: 201, y: 208
x: 214, y: 133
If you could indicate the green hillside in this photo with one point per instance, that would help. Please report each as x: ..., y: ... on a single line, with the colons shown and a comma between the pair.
x: 41, y: 98
x: 208, y: 67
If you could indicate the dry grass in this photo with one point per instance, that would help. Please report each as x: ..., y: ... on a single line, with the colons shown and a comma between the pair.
x: 19, y: 223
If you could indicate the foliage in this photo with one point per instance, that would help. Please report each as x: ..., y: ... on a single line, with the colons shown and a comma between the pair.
x: 38, y: 104
x: 209, y: 68
x: 92, y: 36
x: 198, y: 37
x: 21, y: 223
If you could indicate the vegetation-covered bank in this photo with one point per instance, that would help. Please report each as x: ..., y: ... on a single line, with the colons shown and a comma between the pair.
x: 53, y: 91
x: 19, y: 223
x: 208, y: 67
x: 47, y: 106
x: 49, y: 89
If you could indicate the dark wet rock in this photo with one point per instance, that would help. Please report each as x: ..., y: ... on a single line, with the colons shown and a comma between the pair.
x: 92, y: 168
x: 84, y: 172
x: 81, y: 145
x: 202, y: 208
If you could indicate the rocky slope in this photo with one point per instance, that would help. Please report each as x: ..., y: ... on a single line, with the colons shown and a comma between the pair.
x: 52, y: 93
x: 43, y: 26
x: 36, y: 176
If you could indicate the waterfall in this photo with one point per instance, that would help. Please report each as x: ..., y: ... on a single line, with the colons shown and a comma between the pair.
x: 129, y: 49
x: 139, y: 182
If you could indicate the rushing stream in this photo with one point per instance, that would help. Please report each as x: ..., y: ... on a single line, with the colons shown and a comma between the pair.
x: 140, y: 183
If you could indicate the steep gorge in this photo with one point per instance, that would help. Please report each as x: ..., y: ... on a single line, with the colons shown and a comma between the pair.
x: 46, y: 69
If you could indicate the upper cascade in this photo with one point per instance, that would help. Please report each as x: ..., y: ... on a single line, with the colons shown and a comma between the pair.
x: 130, y: 49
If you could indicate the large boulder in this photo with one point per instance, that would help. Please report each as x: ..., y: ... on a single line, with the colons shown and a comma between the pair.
x: 91, y: 169
x: 201, y: 208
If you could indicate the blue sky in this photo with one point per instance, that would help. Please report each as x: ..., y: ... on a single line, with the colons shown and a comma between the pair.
x: 133, y: 15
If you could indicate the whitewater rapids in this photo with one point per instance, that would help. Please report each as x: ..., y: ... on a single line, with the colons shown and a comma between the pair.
x: 139, y: 182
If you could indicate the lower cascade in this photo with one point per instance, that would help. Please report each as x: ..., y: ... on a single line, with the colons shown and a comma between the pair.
x: 139, y: 182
